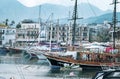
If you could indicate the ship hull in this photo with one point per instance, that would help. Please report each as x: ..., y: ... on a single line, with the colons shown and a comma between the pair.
x: 58, y: 62
x: 89, y: 67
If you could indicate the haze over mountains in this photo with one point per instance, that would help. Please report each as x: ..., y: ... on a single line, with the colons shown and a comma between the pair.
x: 13, y: 10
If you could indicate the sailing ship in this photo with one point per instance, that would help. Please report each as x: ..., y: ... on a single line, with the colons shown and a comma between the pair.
x: 86, y: 59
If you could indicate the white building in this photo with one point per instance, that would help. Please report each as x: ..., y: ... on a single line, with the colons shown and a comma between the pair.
x: 28, y: 33
x: 7, y: 35
x: 63, y: 33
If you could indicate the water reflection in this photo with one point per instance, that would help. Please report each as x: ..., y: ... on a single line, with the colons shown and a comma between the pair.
x: 37, y: 69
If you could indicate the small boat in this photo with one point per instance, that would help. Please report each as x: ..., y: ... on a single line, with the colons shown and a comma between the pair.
x: 29, y: 55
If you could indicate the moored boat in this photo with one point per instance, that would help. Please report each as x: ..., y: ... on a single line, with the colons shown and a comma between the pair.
x: 110, y: 74
x: 16, y: 50
x: 3, y: 50
x: 86, y: 60
x: 29, y: 55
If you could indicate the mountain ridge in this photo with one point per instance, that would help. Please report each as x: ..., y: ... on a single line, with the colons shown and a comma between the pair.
x: 14, y: 10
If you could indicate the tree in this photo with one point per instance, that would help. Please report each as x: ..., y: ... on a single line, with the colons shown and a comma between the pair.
x: 6, y: 22
x: 27, y: 21
x: 18, y: 25
x: 12, y: 23
x: 103, y: 35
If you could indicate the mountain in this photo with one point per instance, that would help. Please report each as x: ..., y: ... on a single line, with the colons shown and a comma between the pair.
x: 101, y: 18
x: 87, y: 10
x: 13, y: 10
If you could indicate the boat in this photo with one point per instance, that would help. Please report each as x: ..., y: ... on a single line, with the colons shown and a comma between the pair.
x: 85, y: 60
x: 3, y: 51
x: 110, y: 74
x: 28, y: 55
x: 85, y: 57
x: 15, y: 50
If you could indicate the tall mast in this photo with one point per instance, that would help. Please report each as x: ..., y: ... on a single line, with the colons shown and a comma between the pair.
x: 39, y: 21
x: 114, y: 21
x: 51, y: 27
x: 74, y: 25
x: 39, y: 14
x: 74, y: 18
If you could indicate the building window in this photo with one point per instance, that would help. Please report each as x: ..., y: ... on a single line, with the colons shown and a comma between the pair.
x: 3, y: 38
x: 84, y: 34
x: 85, y: 28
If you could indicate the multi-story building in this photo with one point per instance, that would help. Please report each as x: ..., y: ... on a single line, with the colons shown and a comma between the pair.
x: 58, y: 33
x: 2, y: 32
x: 28, y: 33
x: 7, y: 35
x: 31, y: 32
x: 63, y: 33
x: 82, y: 33
x: 98, y: 30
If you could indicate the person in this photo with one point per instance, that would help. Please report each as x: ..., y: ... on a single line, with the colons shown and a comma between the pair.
x: 72, y: 74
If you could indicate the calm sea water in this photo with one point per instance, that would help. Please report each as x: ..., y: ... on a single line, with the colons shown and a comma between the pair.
x: 19, y: 68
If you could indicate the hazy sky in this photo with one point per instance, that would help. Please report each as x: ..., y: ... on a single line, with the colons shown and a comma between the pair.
x: 102, y: 4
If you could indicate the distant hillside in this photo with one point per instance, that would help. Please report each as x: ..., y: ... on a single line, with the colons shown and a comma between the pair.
x: 13, y: 10
x: 101, y: 18
x: 86, y: 10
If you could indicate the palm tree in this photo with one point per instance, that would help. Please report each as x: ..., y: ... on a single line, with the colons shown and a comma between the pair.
x: 104, y: 35
x: 9, y: 24
x: 12, y: 23
x: 18, y: 25
x: 6, y: 22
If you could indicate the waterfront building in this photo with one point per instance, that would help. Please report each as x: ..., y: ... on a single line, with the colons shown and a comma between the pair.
x: 7, y: 35
x: 83, y: 33
x: 63, y: 33
x: 32, y: 33
x: 59, y: 33
x: 107, y: 27
x: 27, y: 34
x: 117, y: 34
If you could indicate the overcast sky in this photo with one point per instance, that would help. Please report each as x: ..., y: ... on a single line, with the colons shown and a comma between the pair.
x: 102, y: 4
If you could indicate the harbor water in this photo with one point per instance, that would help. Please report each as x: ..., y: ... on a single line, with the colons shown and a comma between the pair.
x: 13, y: 67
